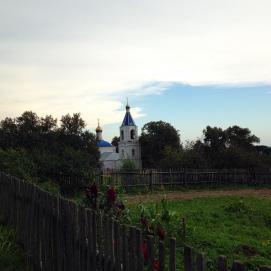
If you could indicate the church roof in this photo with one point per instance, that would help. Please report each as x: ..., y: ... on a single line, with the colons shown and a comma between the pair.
x: 128, y: 120
x: 103, y: 143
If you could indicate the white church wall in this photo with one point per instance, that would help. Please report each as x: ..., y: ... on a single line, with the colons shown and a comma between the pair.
x: 107, y: 149
x: 126, y: 136
x: 111, y: 164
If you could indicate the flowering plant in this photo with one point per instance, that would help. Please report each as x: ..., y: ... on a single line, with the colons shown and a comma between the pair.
x: 154, y: 221
x: 106, y: 198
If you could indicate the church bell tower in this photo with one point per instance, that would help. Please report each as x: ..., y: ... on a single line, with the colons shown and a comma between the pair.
x: 129, y: 147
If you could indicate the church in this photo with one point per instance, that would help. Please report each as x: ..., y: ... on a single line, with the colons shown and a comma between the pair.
x: 128, y: 146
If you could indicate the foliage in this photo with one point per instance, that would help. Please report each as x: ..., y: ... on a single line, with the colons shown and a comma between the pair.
x: 115, y: 142
x: 155, y: 138
x: 128, y: 166
x: 11, y: 256
x: 35, y: 148
x: 238, y: 227
x: 154, y: 221
x: 108, y: 199
x: 72, y: 125
x: 233, y: 147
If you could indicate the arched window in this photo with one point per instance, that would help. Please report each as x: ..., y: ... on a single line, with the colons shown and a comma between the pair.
x: 132, y: 134
x: 122, y: 135
x: 133, y: 152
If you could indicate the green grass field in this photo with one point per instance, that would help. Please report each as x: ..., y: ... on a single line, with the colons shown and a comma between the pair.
x: 238, y: 227
x: 11, y: 256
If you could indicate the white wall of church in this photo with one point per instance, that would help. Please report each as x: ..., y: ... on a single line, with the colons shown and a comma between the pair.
x: 107, y: 149
x: 125, y: 133
x: 129, y: 147
x: 111, y: 164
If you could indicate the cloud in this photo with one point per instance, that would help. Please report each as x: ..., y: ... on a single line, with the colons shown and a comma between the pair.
x: 87, y: 56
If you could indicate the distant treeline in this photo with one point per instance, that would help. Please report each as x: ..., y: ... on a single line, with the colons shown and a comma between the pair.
x: 233, y: 147
x: 230, y: 148
x: 38, y: 149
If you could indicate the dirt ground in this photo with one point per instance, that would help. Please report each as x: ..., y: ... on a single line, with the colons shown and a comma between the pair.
x: 179, y: 195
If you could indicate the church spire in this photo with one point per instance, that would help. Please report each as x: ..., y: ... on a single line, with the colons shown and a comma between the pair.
x: 127, y: 105
x: 128, y: 120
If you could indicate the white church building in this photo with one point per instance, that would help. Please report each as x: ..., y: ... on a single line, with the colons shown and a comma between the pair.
x: 128, y: 147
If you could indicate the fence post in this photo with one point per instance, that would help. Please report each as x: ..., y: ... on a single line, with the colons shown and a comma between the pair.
x: 150, y: 179
x: 201, y: 265
x: 237, y: 266
x: 139, y: 247
x: 187, y: 258
x: 162, y: 255
x: 172, y: 254
x: 222, y: 263
x: 150, y: 252
x: 126, y: 245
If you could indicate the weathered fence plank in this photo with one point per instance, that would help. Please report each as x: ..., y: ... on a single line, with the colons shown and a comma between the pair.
x: 188, y: 258
x: 222, y: 263
x: 172, y: 254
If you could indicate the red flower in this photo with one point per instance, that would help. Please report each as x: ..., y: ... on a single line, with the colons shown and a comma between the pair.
x: 111, y: 195
x: 156, y: 265
x: 145, y: 251
x: 161, y: 232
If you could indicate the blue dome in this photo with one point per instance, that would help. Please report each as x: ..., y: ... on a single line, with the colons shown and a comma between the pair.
x: 103, y: 143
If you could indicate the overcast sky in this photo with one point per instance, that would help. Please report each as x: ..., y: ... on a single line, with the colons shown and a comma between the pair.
x: 88, y: 56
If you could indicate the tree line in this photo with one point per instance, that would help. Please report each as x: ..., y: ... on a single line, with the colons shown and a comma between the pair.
x: 234, y: 147
x: 37, y: 148
x: 41, y: 148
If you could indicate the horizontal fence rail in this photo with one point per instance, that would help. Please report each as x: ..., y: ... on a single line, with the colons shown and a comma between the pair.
x: 59, y: 235
x: 187, y: 178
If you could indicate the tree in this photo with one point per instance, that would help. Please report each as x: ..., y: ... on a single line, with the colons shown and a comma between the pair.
x: 8, y: 133
x: 194, y: 155
x: 128, y: 166
x: 230, y: 148
x: 28, y: 122
x: 72, y: 125
x: 9, y: 125
x: 238, y: 137
x: 154, y: 139
x: 265, y: 150
x: 214, y: 138
x: 115, y: 142
x: 48, y: 151
x: 48, y: 124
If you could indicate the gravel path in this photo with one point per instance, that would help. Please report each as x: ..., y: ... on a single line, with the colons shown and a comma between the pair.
x: 179, y: 195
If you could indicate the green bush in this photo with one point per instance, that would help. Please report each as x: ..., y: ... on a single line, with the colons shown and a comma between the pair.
x: 128, y: 166
x: 11, y: 256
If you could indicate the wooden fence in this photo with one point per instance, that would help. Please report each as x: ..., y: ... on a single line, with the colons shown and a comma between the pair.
x: 59, y: 235
x: 188, y: 178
